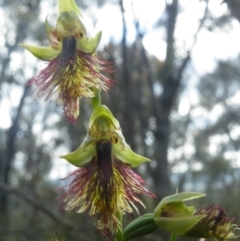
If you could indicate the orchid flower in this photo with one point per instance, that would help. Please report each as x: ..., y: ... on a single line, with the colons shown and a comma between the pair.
x: 74, y: 70
x: 104, y: 185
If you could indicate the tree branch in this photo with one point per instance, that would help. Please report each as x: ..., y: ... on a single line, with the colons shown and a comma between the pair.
x: 127, y: 85
x: 187, y: 58
x: 35, y: 203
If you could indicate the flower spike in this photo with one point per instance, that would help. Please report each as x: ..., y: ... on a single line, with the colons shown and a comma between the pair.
x: 104, y: 185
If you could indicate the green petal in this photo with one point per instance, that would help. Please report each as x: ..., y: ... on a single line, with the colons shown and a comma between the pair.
x: 183, y: 196
x: 124, y: 153
x: 104, y: 113
x: 68, y: 5
x: 44, y: 53
x: 83, y: 154
x: 49, y: 28
x: 178, y: 226
x: 89, y: 45
x: 52, y: 39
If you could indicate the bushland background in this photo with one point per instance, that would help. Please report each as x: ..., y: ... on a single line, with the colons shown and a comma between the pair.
x: 176, y: 105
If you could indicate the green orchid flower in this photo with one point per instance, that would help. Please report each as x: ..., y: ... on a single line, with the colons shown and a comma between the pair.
x: 103, y: 126
x: 105, y: 184
x: 69, y: 23
x: 74, y: 69
x: 175, y: 217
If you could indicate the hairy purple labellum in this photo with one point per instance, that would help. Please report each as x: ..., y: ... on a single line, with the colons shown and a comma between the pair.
x: 71, y: 75
x: 105, y: 171
x: 105, y: 187
x: 69, y: 53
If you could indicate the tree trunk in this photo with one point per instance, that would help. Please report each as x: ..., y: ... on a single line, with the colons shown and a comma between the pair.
x: 10, y: 152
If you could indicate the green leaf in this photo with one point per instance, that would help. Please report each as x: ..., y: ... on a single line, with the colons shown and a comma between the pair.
x: 140, y: 226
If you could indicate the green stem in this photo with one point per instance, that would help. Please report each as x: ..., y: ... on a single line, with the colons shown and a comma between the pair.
x: 173, y: 237
x: 119, y: 235
x: 96, y: 100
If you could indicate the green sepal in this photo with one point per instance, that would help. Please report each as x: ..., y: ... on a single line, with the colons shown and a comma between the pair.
x: 178, y: 197
x: 44, y: 53
x: 102, y: 112
x: 83, y: 154
x: 68, y: 5
x: 179, y: 225
x: 124, y: 153
x: 69, y: 24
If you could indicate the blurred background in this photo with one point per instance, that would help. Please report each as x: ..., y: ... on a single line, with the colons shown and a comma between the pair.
x: 176, y: 94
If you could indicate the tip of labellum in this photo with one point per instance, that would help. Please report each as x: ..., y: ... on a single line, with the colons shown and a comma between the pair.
x: 71, y: 109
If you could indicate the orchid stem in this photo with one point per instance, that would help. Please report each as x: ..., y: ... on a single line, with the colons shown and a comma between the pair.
x: 119, y: 235
x: 173, y: 237
x: 96, y: 100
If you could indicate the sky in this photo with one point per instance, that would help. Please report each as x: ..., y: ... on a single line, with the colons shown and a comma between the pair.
x: 210, y: 45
